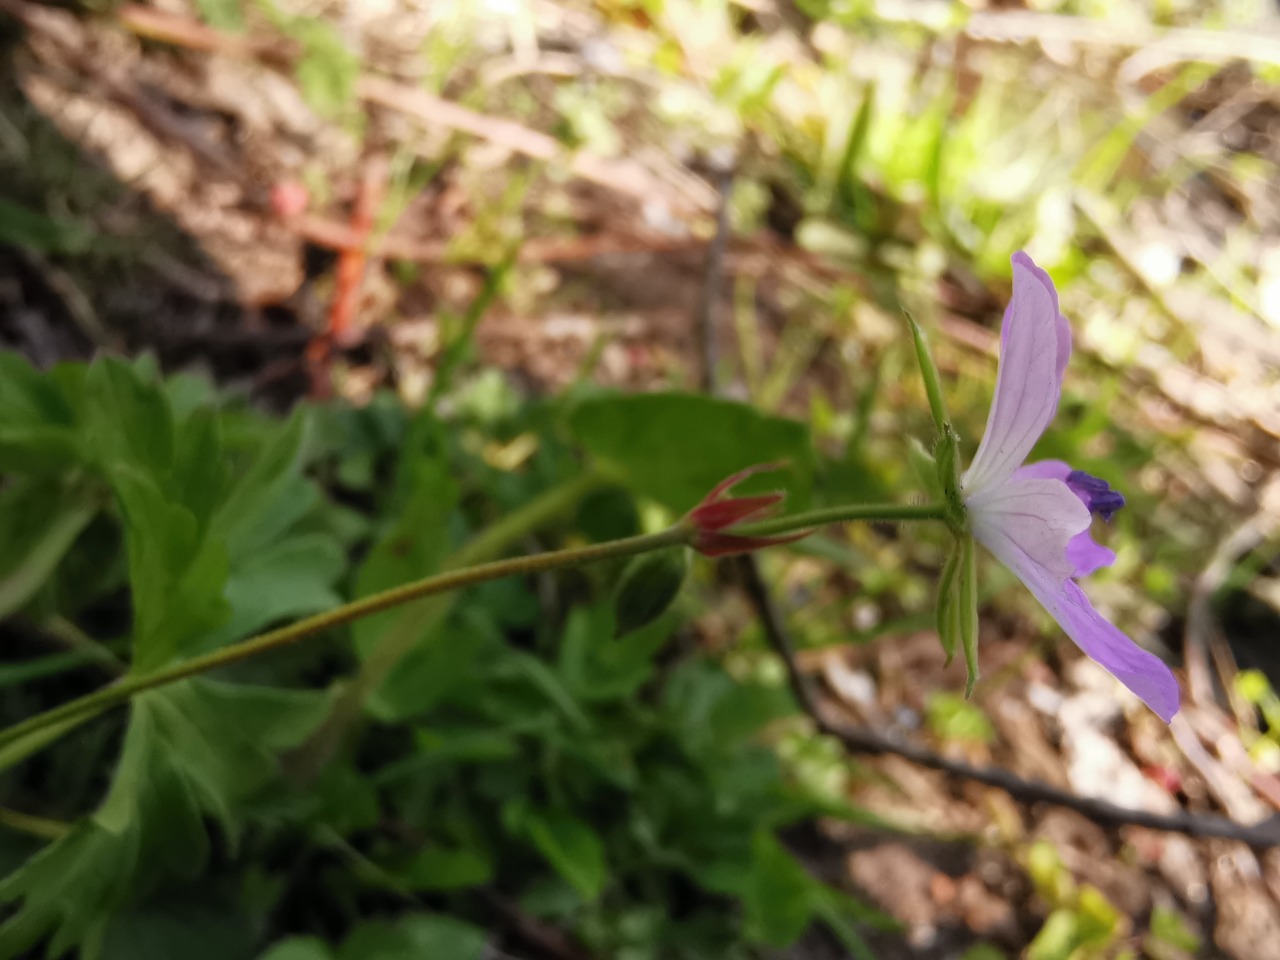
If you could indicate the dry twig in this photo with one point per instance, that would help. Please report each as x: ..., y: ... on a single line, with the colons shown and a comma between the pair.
x: 1259, y: 836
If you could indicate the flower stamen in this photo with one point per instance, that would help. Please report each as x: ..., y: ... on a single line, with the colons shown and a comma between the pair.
x: 1096, y: 494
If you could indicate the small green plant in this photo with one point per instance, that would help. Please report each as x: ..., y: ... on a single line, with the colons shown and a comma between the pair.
x: 1082, y: 923
x: 537, y: 745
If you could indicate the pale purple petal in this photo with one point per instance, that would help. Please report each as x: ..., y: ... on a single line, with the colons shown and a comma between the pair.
x: 1084, y: 553
x: 1008, y: 536
x: 1087, y: 555
x: 1044, y: 470
x: 1035, y: 344
x: 1142, y: 672
x: 1038, y: 518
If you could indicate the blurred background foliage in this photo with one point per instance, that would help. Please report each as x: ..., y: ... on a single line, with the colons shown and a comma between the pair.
x: 420, y: 284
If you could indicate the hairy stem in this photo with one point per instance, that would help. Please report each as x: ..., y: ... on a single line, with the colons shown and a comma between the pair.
x: 887, y: 512
x: 69, y: 714
x: 117, y: 693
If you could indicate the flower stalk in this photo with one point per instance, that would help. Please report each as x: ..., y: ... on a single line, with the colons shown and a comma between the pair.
x: 45, y: 727
x: 103, y: 699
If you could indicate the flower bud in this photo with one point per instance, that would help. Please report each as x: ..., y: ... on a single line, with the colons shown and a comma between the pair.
x: 649, y: 585
x: 718, y: 512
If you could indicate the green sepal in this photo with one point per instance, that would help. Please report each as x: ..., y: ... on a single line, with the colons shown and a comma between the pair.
x: 958, y: 606
x: 949, y: 602
x: 968, y: 610
x: 946, y: 454
x: 947, y: 458
x: 649, y: 584
x: 929, y: 373
x: 925, y: 468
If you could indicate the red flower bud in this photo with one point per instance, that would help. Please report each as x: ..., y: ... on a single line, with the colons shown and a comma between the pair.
x: 718, y: 511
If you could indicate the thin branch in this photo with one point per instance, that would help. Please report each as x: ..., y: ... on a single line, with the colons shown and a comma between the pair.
x: 178, y: 30
x: 713, y: 279
x: 332, y: 234
x: 1176, y: 44
x: 71, y: 637
x: 33, y: 826
x: 858, y: 740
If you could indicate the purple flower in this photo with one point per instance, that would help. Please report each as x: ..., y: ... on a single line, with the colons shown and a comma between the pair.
x: 1036, y: 517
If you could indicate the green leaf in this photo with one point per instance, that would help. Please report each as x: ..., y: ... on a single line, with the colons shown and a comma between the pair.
x: 270, y: 495
x: 35, y: 741
x: 39, y: 431
x: 675, y: 447
x: 188, y: 923
x: 199, y: 476
x: 596, y: 666
x: 176, y: 575
x: 850, y: 189
x: 954, y: 718
x: 458, y: 745
x: 1052, y: 879
x: 712, y: 713
x: 1170, y: 927
x: 38, y: 523
x: 327, y: 71
x: 23, y: 227
x: 127, y: 419
x: 28, y: 396
x: 191, y: 750
x: 445, y: 666
x: 299, y: 948
x: 844, y: 914
x: 571, y: 847
x: 345, y: 799
x: 1100, y: 922
x: 167, y: 478
x: 1253, y: 686
x: 523, y: 666
x: 415, y: 937
x: 1058, y: 939
x: 779, y: 894
x: 649, y: 585
x: 222, y: 14
x: 412, y: 548
x: 441, y: 868
x: 291, y: 579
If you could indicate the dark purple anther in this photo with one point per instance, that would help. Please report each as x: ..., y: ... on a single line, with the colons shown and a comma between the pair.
x: 1096, y: 494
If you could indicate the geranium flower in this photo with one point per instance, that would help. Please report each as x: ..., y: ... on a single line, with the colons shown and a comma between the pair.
x: 1035, y: 518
